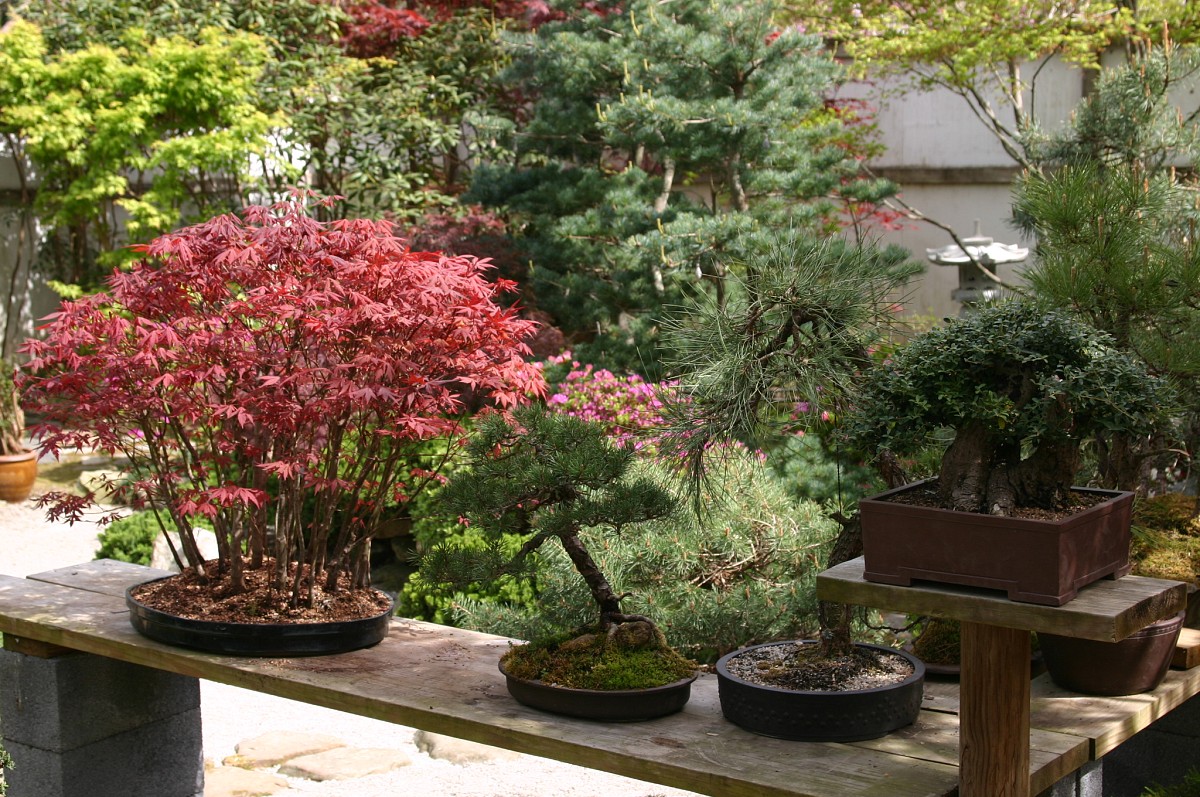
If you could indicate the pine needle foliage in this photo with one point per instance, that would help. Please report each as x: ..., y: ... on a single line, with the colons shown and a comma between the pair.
x: 800, y: 330
x: 1115, y: 222
x: 742, y: 572
x: 545, y: 476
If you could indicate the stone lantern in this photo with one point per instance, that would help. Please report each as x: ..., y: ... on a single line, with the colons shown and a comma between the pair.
x: 977, y: 281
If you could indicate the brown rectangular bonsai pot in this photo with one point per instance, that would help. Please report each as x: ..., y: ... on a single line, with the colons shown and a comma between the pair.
x: 1034, y: 561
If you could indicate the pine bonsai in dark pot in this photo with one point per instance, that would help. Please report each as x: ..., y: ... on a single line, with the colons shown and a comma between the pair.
x: 545, y: 476
x: 799, y: 331
x: 1017, y: 390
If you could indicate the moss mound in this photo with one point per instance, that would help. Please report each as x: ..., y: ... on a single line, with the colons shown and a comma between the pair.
x: 628, y: 657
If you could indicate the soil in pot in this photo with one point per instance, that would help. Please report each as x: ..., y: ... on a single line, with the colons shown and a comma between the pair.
x: 259, y: 621
x: 625, y: 676
x: 789, y: 691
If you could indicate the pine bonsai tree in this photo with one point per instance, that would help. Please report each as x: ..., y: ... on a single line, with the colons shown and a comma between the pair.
x: 548, y: 477
x: 799, y: 330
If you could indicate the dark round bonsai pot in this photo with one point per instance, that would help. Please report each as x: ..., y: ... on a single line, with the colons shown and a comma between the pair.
x: 605, y: 705
x: 811, y: 716
x: 1136, y: 664
x: 258, y: 639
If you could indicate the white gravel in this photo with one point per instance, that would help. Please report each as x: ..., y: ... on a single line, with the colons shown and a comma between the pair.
x: 30, y: 544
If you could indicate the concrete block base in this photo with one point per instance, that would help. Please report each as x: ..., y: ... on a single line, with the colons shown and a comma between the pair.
x: 86, y: 726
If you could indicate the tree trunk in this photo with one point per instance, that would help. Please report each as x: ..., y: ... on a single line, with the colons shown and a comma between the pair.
x: 1044, y: 479
x: 963, y: 479
x: 607, y: 601
x: 835, y: 618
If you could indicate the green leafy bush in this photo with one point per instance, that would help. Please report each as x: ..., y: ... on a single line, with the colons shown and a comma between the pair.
x: 742, y: 572
x: 130, y: 539
x: 1190, y: 787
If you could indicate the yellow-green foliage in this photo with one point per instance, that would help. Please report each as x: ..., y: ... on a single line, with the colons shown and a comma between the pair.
x: 1166, y: 539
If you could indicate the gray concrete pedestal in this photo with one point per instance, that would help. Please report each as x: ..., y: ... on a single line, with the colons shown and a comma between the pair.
x: 79, y: 725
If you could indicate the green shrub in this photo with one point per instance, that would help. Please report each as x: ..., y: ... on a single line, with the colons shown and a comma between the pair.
x: 130, y: 539
x: 742, y: 572
x: 6, y: 763
x: 1190, y: 787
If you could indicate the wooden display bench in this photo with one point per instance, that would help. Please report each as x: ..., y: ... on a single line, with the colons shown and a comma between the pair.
x: 994, y: 700
x: 445, y: 680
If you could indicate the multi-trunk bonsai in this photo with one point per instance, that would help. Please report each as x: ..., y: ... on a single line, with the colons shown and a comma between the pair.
x: 543, y: 476
x: 799, y: 331
x: 1017, y: 391
x: 273, y: 375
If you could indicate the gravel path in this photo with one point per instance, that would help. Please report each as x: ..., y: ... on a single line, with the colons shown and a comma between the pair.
x: 30, y: 544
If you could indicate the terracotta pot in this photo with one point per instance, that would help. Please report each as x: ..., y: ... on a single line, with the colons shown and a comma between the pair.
x: 17, y: 474
x: 1136, y: 664
x: 1034, y: 561
x: 811, y: 716
x: 257, y: 639
x: 606, y: 705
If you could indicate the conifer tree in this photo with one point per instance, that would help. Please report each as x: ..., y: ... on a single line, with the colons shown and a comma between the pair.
x: 663, y: 144
x: 1115, y: 219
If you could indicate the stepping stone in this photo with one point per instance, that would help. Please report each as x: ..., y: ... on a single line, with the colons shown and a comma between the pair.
x: 235, y: 782
x: 270, y: 749
x: 344, y: 763
x: 460, y: 751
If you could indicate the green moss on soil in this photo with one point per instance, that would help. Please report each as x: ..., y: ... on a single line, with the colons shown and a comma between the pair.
x: 1166, y: 538
x: 595, y: 664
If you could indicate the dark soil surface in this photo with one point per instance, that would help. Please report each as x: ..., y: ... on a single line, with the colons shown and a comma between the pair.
x: 186, y: 595
x: 789, y: 665
x: 926, y: 495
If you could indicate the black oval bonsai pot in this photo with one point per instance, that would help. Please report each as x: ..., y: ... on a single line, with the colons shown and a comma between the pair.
x: 605, y: 705
x: 1136, y: 664
x: 257, y: 639
x: 818, y: 716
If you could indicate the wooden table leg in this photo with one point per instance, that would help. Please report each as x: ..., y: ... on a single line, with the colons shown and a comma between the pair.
x: 993, y: 746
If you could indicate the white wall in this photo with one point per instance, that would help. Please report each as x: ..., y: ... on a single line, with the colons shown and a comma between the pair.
x: 952, y: 169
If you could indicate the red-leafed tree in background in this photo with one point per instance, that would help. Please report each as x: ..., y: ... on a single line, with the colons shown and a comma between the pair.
x: 276, y: 371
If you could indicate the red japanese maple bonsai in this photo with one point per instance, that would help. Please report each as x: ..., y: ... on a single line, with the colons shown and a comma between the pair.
x: 275, y: 373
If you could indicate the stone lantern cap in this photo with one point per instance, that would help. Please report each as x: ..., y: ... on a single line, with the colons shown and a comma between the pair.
x: 979, y: 249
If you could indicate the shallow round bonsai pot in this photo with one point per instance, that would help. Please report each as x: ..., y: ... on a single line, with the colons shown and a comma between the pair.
x: 604, y: 705
x: 17, y: 475
x: 819, y: 716
x: 258, y: 639
x: 1136, y: 664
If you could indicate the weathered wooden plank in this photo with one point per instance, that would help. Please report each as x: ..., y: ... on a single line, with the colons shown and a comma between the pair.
x: 1108, y: 721
x: 1108, y: 610
x: 32, y: 647
x: 935, y: 737
x: 1187, y: 649
x: 445, y: 680
x: 106, y: 576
